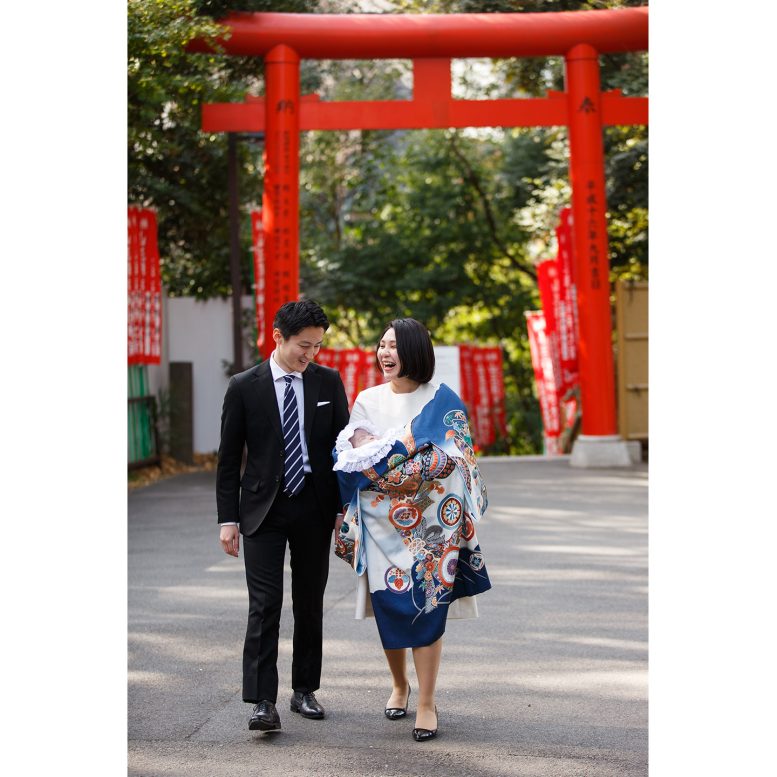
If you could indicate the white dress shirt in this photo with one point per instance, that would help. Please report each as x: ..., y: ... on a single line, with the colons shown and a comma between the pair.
x: 278, y: 374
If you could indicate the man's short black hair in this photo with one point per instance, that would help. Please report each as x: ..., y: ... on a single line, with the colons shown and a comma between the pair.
x: 293, y: 317
x: 414, y: 347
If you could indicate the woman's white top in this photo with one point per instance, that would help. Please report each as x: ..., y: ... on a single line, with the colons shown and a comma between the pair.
x: 388, y: 410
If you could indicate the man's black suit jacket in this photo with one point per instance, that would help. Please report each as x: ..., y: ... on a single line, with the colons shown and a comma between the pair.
x: 250, y: 416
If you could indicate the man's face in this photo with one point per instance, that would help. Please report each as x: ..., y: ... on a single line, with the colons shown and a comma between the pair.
x: 299, y: 350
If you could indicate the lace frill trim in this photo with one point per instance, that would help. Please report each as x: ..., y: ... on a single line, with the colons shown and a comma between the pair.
x: 350, y: 459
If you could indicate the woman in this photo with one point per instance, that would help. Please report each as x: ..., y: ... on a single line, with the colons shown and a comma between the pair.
x: 412, y: 493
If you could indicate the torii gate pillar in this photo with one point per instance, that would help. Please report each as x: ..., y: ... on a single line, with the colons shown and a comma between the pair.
x: 599, y: 444
x: 280, y: 199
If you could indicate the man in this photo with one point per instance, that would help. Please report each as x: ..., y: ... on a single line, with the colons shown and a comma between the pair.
x: 287, y: 411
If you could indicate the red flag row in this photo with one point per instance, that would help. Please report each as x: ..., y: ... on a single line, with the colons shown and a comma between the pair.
x: 481, y: 380
x: 144, y: 288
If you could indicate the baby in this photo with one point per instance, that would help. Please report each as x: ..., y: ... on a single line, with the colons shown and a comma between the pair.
x: 361, y: 445
x: 361, y: 436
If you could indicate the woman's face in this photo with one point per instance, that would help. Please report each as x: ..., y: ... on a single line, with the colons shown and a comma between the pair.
x: 388, y: 358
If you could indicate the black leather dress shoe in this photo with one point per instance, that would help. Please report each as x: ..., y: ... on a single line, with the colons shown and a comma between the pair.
x: 395, y: 713
x: 264, y: 717
x: 307, y: 705
x: 422, y: 734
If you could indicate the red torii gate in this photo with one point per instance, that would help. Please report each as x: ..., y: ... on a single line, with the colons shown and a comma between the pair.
x: 431, y: 40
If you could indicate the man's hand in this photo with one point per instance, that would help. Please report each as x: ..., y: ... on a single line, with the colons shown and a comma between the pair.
x: 229, y: 536
x: 339, y: 522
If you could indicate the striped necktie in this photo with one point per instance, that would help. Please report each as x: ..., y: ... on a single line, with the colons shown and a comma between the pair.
x: 294, y: 475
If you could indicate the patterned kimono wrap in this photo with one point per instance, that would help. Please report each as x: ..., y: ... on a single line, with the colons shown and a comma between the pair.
x: 419, y: 505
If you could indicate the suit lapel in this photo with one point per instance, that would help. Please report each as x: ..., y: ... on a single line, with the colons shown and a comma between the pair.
x: 311, y: 384
x: 267, y: 396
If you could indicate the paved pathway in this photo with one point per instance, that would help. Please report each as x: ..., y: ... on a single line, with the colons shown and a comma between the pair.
x: 551, y: 680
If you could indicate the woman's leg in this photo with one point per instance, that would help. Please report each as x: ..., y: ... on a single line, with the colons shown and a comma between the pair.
x: 427, y: 663
x: 397, y: 662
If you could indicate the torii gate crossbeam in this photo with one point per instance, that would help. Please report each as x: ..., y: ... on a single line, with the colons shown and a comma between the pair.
x: 412, y: 36
x: 431, y: 40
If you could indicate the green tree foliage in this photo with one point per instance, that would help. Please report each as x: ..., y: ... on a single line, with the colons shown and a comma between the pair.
x: 626, y: 148
x: 421, y: 224
x: 172, y: 165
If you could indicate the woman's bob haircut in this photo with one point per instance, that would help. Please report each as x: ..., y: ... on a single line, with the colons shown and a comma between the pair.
x: 414, y: 347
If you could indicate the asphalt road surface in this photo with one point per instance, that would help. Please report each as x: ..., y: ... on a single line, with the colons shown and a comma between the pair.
x: 551, y: 679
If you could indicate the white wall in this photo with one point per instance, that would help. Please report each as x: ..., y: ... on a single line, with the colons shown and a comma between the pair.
x: 446, y: 367
x: 201, y: 333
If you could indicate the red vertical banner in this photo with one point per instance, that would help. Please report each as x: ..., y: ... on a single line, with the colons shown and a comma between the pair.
x: 133, y: 279
x: 567, y: 318
x: 466, y: 379
x: 144, y: 288
x: 483, y: 424
x: 566, y: 245
x: 260, y: 283
x: 356, y: 366
x: 350, y: 369
x: 547, y: 392
x: 328, y: 357
x: 496, y: 388
x: 153, y: 293
x: 474, y: 394
x: 549, y: 284
x: 369, y: 374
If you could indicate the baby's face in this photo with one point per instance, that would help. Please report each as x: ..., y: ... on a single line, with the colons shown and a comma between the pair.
x: 361, y: 436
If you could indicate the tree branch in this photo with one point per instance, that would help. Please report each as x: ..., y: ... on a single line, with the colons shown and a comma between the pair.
x: 472, y: 177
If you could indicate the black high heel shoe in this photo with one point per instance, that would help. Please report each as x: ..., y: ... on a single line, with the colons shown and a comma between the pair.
x: 422, y: 734
x: 395, y: 713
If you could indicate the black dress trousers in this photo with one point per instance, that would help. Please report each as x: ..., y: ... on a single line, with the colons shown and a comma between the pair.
x: 297, y: 521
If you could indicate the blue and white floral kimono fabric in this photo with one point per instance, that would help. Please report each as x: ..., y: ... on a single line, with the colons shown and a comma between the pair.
x: 410, y: 521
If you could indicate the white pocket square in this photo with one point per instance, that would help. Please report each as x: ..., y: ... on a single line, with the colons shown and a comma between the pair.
x: 322, y: 403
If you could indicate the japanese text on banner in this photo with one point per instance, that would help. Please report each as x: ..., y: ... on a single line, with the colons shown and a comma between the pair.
x: 144, y: 288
